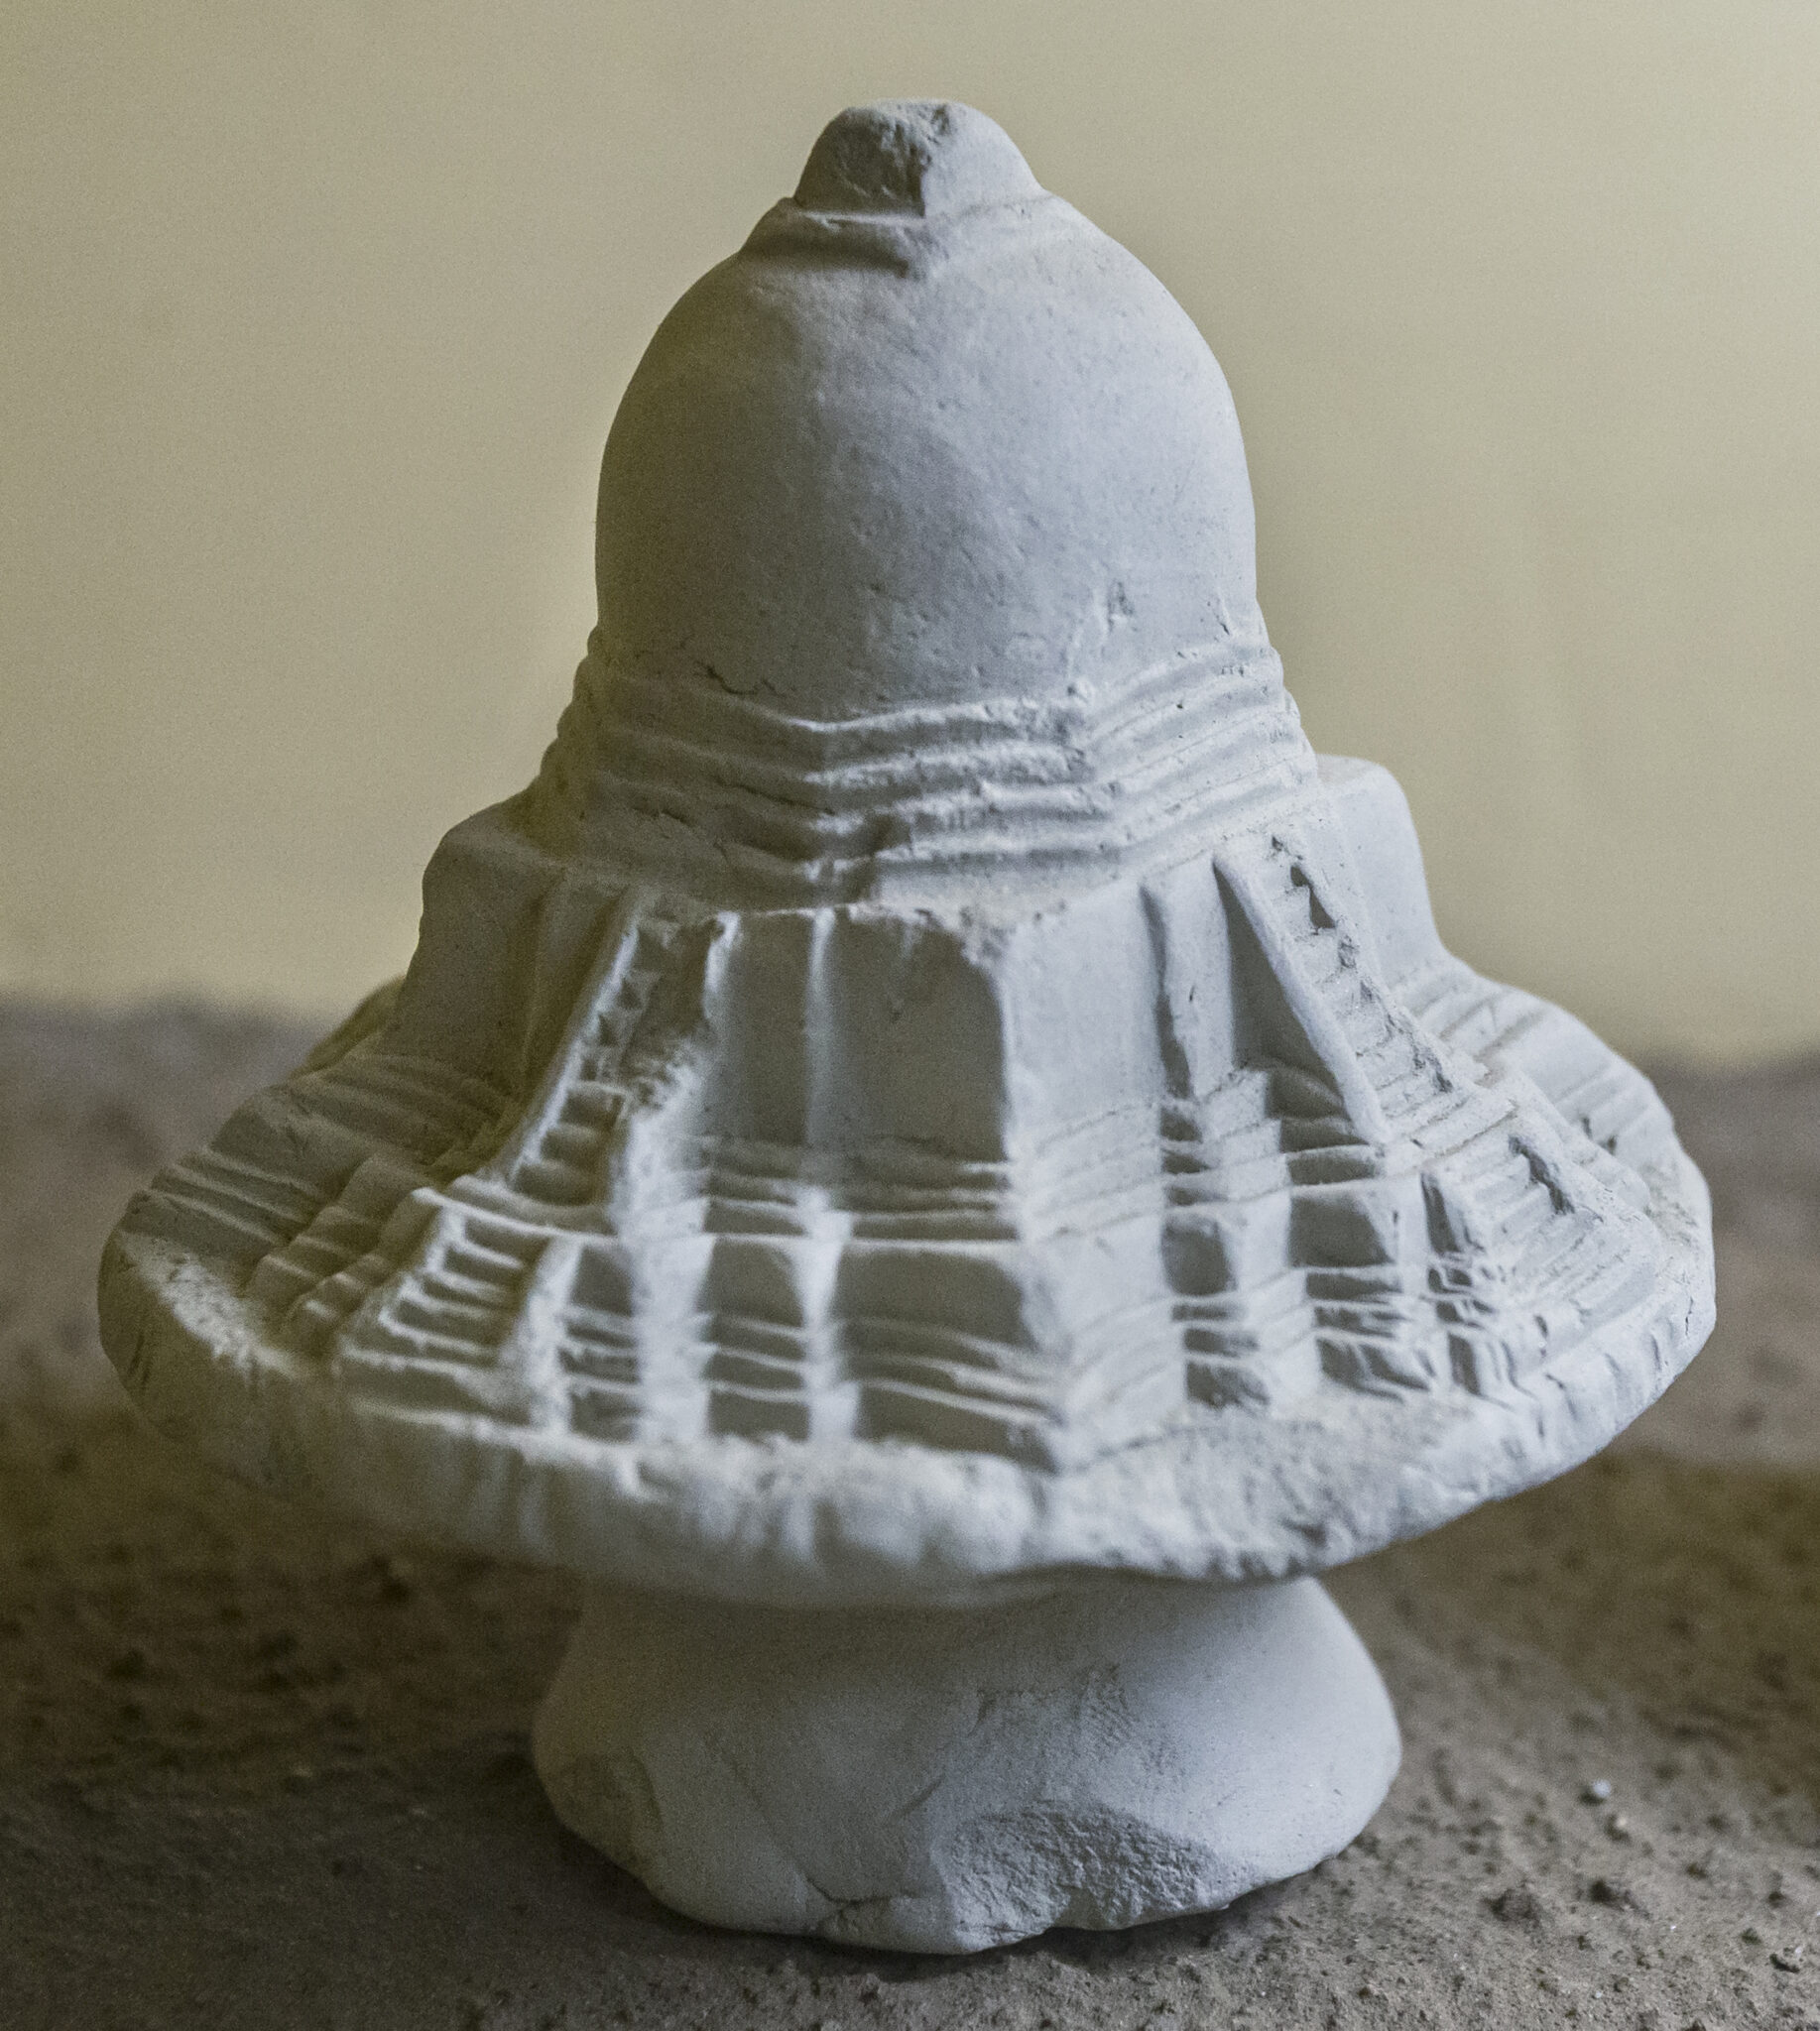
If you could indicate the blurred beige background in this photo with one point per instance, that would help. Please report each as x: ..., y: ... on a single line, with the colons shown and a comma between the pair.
x: 315, y: 319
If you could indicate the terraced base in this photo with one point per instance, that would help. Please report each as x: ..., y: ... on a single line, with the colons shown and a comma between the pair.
x: 1210, y: 1222
x: 940, y: 1781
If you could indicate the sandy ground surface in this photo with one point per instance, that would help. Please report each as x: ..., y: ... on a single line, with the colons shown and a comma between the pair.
x: 258, y: 1770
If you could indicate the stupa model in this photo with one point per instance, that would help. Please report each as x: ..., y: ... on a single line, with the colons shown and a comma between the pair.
x: 935, y: 1154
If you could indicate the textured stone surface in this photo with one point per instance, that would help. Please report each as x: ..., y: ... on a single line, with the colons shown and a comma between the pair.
x: 944, y: 1781
x: 258, y: 1767
x: 935, y: 1085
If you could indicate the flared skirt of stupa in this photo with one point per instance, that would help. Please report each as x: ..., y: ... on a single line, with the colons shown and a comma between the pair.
x: 1208, y: 1221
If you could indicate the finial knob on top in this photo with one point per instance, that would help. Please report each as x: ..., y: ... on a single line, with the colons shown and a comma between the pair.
x: 919, y: 156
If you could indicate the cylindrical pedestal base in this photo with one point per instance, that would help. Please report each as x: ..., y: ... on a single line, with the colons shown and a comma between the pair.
x: 944, y: 1780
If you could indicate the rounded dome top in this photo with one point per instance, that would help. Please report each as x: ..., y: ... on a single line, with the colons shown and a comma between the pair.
x: 920, y: 159
x: 928, y: 439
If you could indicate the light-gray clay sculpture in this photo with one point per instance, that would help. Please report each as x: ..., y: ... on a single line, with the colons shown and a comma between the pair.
x: 935, y: 1154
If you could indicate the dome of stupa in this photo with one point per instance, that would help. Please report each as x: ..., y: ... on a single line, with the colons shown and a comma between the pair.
x: 924, y: 456
x: 925, y: 533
